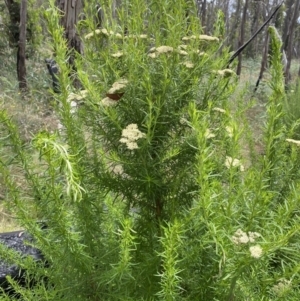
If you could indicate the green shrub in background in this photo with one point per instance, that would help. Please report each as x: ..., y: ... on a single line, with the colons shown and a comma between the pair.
x: 292, y: 111
x: 145, y: 190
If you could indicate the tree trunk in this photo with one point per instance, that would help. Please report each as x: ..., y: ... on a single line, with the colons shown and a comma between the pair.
x: 14, y: 16
x: 263, y: 61
x: 203, y: 15
x: 21, y: 55
x: 242, y: 37
x: 289, y: 41
x: 253, y: 50
x: 210, y: 16
x: 286, y: 25
x: 72, y: 10
x: 235, y: 25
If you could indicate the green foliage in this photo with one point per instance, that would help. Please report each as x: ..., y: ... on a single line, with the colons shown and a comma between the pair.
x: 291, y: 109
x: 145, y: 189
x: 11, y: 24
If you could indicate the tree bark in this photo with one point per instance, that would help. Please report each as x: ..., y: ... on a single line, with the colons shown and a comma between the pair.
x: 235, y: 25
x: 286, y: 25
x: 203, y: 15
x: 289, y: 41
x: 263, y: 61
x: 71, y: 10
x: 242, y: 37
x: 14, y: 16
x: 21, y: 55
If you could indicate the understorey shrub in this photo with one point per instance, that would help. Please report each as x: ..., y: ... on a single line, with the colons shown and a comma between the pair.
x: 145, y: 188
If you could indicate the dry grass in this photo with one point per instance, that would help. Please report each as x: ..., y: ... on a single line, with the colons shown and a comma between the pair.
x: 32, y: 113
x: 8, y: 222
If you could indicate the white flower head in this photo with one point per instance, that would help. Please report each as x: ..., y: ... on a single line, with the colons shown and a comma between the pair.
x: 103, y: 31
x: 229, y: 131
x: 80, y: 95
x: 182, y: 46
x: 183, y: 121
x: 98, y: 32
x: 208, y: 134
x: 188, y: 64
x: 117, y: 54
x: 182, y: 52
x: 256, y: 251
x: 225, y: 73
x: 118, y: 86
x: 297, y: 142
x: 71, y: 96
x: 131, y: 145
x: 253, y: 236
x: 204, y: 37
x: 107, y: 102
x: 230, y: 162
x: 89, y: 35
x: 219, y: 110
x: 282, y: 286
x: 119, y: 36
x: 60, y: 127
x: 118, y: 169
x: 153, y: 55
x: 152, y: 49
x: 240, y: 237
x: 164, y: 49
x: 130, y: 135
x: 73, y: 105
x: 132, y: 132
x: 188, y: 38
x: 200, y: 53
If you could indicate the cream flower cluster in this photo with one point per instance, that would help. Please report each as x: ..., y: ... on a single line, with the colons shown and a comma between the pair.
x: 111, y: 33
x: 225, y: 73
x: 229, y: 130
x: 230, y: 162
x: 208, y: 134
x: 216, y: 109
x: 117, y: 87
x: 281, y: 286
x: 241, y: 237
x: 188, y: 64
x: 74, y: 98
x: 130, y: 135
x: 117, y: 169
x: 201, y: 37
x: 256, y: 251
x: 156, y: 51
x: 297, y: 142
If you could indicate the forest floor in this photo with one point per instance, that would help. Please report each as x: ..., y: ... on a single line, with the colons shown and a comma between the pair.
x: 34, y: 112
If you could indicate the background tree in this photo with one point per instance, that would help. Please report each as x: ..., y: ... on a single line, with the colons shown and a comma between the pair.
x: 288, y: 37
x: 21, y: 54
x: 71, y: 14
x: 242, y: 36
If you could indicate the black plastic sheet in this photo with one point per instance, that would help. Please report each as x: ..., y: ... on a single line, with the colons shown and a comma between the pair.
x: 18, y: 241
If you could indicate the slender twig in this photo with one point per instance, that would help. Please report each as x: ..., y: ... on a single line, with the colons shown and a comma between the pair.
x: 254, y: 35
